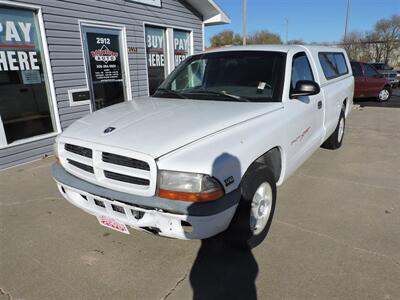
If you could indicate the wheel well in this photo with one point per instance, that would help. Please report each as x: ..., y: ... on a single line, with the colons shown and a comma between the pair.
x: 273, y: 159
x: 345, y: 104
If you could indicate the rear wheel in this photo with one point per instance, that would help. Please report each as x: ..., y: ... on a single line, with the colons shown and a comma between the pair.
x: 336, y: 139
x: 384, y: 94
x: 255, y: 211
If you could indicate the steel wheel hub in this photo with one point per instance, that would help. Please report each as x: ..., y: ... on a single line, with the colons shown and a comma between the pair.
x: 341, y: 130
x: 384, y: 95
x: 260, y: 208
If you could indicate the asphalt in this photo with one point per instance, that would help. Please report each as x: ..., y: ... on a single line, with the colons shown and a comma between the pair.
x: 335, y: 235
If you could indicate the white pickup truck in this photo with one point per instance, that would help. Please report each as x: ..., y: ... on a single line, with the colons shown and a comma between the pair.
x: 204, y: 154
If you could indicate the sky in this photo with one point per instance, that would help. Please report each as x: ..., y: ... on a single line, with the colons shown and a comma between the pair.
x: 309, y: 20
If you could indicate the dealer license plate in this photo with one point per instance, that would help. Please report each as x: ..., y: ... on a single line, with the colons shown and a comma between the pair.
x: 112, y: 224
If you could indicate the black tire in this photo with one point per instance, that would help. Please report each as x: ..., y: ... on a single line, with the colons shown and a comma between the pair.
x: 239, y: 232
x: 385, y: 91
x: 334, y: 141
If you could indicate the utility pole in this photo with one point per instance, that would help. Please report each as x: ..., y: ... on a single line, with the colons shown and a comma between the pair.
x: 244, y: 21
x: 287, y: 29
x: 347, y: 21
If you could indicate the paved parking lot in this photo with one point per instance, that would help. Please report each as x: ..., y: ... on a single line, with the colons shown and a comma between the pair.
x: 335, y: 235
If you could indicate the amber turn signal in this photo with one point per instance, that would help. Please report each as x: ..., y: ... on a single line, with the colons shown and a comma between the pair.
x: 192, y: 197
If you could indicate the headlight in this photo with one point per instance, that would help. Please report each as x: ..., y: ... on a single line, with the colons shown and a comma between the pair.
x: 188, y: 186
x: 55, y: 150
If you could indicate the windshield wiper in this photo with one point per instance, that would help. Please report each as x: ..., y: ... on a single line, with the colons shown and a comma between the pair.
x: 170, y: 92
x: 234, y: 97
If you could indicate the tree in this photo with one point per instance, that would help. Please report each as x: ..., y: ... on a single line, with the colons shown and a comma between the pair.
x: 379, y: 45
x: 388, y: 31
x: 375, y: 46
x: 226, y: 37
x: 296, y: 42
x: 353, y: 43
x: 263, y: 37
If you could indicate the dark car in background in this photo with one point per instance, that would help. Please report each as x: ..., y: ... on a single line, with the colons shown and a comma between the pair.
x: 388, y: 73
x: 368, y: 82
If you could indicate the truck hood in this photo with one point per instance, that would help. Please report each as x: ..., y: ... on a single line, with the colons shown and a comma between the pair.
x: 156, y: 126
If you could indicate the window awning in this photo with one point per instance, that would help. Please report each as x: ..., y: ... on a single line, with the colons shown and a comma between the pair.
x: 212, y: 13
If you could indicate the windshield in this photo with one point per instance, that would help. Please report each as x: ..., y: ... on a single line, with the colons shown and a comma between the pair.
x: 248, y: 76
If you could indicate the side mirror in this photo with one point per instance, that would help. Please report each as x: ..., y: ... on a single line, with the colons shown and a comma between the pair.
x: 305, y: 88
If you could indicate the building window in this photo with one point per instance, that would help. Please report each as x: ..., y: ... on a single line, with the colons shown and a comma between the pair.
x: 181, y: 45
x: 156, y: 56
x: 166, y: 48
x: 25, y: 106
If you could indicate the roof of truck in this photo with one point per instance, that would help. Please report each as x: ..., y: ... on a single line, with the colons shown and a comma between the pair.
x: 278, y: 48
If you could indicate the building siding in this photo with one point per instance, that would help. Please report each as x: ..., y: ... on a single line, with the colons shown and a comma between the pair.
x: 66, y: 57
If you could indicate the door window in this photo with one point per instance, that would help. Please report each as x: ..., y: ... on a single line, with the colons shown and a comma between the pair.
x: 357, y: 71
x: 104, y: 62
x: 25, y: 99
x: 301, y: 69
x: 370, y: 71
x: 156, y: 56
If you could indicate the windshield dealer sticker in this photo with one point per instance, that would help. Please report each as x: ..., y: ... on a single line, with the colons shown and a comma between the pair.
x: 261, y: 85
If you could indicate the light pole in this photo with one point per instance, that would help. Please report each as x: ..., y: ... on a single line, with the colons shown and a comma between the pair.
x: 244, y: 21
x: 347, y: 21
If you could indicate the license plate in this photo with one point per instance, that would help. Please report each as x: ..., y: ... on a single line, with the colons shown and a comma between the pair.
x: 112, y: 224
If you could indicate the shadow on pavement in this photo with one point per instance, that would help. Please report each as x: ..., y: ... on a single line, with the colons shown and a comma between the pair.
x: 220, y: 270
x: 223, y: 272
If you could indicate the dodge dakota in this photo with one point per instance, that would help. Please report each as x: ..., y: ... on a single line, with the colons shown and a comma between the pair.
x: 204, y: 154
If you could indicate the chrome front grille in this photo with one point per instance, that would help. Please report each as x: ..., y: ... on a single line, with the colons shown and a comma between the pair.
x: 118, y: 169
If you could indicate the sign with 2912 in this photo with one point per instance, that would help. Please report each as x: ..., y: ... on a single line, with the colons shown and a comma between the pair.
x: 104, y: 56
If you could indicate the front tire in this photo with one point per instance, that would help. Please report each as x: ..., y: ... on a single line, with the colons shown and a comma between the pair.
x: 385, y: 94
x: 255, y: 211
x: 336, y: 139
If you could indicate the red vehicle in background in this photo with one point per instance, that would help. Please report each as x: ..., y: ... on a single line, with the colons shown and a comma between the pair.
x: 368, y: 82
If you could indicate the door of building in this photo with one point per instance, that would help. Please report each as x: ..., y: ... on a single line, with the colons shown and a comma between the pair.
x: 104, y: 64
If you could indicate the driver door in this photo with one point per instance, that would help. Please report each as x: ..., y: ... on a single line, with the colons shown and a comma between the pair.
x: 373, y: 80
x: 306, y: 114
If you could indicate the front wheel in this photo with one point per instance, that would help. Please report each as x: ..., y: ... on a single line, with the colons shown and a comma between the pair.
x: 255, y: 211
x: 384, y: 94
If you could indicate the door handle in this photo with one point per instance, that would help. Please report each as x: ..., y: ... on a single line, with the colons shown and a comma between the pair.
x: 319, y: 105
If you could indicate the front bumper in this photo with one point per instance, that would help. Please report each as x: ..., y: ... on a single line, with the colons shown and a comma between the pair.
x: 175, y: 219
